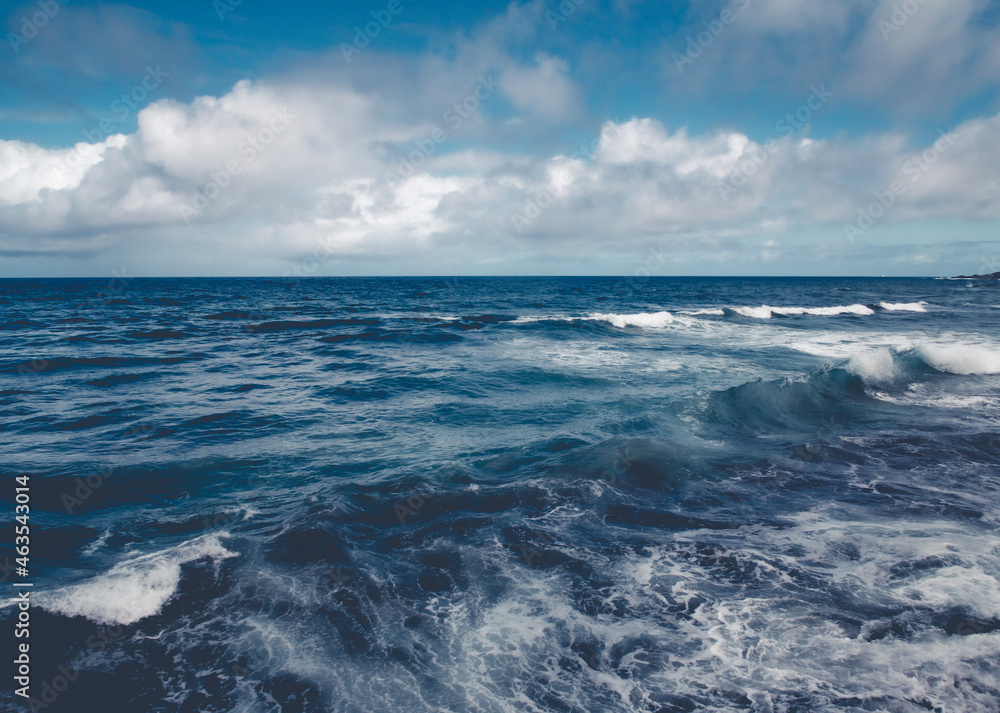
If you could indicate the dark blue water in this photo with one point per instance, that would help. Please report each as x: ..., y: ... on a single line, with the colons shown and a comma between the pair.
x: 485, y: 495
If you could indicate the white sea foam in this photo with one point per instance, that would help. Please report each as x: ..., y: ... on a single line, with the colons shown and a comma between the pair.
x: 766, y: 311
x: 658, y: 320
x: 754, y: 312
x: 717, y: 312
x: 958, y: 359
x: 879, y: 366
x: 98, y: 543
x: 528, y: 319
x: 706, y: 616
x: 754, y: 635
x: 647, y: 320
x: 844, y: 345
x: 132, y: 589
x: 903, y: 306
x: 876, y: 367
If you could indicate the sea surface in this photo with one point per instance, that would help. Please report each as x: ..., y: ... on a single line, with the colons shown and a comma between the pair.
x: 513, y: 494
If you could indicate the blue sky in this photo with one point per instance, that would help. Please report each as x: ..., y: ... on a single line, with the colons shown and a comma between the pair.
x: 744, y: 137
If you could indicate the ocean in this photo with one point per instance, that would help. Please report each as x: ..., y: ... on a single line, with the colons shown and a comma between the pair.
x: 503, y: 494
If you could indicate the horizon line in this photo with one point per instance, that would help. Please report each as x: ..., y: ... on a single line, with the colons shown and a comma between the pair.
x: 124, y: 277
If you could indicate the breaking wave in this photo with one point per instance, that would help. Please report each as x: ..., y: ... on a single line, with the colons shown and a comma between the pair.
x: 135, y: 588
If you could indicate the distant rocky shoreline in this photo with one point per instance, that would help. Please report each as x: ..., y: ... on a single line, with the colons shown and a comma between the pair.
x: 991, y: 276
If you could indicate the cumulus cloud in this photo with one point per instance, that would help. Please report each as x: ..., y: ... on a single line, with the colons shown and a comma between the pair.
x: 314, y: 170
x: 27, y: 169
x: 544, y: 89
x: 904, y: 57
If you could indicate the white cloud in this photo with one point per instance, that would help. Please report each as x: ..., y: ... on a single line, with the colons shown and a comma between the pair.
x: 923, y: 54
x: 785, y: 17
x: 903, y: 57
x: 27, y: 169
x: 544, y: 89
x: 323, y: 183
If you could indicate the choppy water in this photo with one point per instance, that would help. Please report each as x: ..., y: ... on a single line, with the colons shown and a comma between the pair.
x: 518, y: 495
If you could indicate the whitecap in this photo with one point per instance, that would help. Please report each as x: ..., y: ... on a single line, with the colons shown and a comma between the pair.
x: 876, y: 367
x: 903, y: 306
x: 763, y: 312
x: 717, y: 312
x: 959, y: 359
x: 766, y: 311
x: 133, y: 589
x: 642, y: 319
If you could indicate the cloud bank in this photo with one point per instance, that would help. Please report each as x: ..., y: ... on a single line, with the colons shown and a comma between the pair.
x: 487, y: 155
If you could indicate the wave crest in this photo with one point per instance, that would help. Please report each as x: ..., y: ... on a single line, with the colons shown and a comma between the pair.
x: 903, y: 306
x: 964, y: 360
x: 135, y: 588
x: 641, y: 319
x: 766, y: 311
